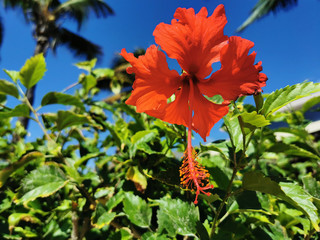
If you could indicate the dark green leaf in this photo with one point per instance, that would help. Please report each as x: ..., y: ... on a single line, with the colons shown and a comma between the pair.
x: 67, y: 119
x: 177, y: 217
x: 33, y: 71
x: 61, y: 98
x: 8, y: 88
x: 137, y: 210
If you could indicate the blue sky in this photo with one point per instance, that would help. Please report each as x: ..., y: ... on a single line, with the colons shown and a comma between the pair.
x: 287, y: 43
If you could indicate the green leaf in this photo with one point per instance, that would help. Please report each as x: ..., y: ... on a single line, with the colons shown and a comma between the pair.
x: 289, y: 192
x: 42, y: 182
x: 101, y: 217
x: 137, y: 210
x: 284, y: 96
x: 254, y: 119
x: 103, y: 73
x: 87, y: 65
x: 8, y: 88
x: 140, y: 141
x: 33, y: 71
x: 67, y: 119
x: 15, y: 218
x: 177, y: 217
x: 292, y: 150
x: 21, y: 110
x: 310, y: 103
x: 14, y: 75
x: 115, y: 86
x: 311, y: 185
x: 137, y: 177
x: 6, y: 172
x: 88, y: 82
x: 234, y: 130
x: 61, y: 98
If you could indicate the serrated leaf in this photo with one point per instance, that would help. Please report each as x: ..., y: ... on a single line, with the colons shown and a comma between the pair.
x: 26, y: 158
x: 137, y: 210
x: 33, y: 71
x: 67, y: 119
x: 140, y: 141
x: 289, y: 192
x: 284, y: 96
x: 61, y: 98
x: 42, y: 182
x: 21, y: 110
x: 115, y: 200
x: 177, y: 217
x: 101, y: 217
x: 137, y: 177
x: 8, y: 88
x: 87, y: 65
x: 14, y: 75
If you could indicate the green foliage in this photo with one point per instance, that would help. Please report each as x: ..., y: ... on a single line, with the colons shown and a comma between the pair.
x: 33, y: 71
x: 102, y: 171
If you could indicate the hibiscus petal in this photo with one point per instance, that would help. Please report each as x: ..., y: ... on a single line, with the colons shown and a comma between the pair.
x: 193, y: 39
x: 154, y: 82
x: 206, y: 113
x: 238, y: 75
x: 177, y: 111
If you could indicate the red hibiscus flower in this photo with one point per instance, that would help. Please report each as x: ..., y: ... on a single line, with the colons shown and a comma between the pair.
x: 196, y: 41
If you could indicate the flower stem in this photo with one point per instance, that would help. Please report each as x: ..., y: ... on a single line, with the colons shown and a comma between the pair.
x: 228, y: 194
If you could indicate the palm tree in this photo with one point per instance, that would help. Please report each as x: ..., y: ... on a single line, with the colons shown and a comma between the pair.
x: 264, y: 7
x: 47, y: 18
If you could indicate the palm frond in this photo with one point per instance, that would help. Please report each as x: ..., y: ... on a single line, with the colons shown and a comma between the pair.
x: 264, y: 7
x: 78, y: 45
x: 79, y: 10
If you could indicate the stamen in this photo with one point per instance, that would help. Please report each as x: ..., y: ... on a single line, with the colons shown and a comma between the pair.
x: 194, y: 176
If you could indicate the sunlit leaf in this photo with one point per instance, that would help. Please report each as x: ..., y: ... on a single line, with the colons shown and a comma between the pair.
x: 284, y: 96
x: 177, y: 217
x: 33, y: 71
x: 87, y: 65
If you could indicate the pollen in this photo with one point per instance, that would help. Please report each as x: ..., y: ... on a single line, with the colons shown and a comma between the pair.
x: 194, y: 176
